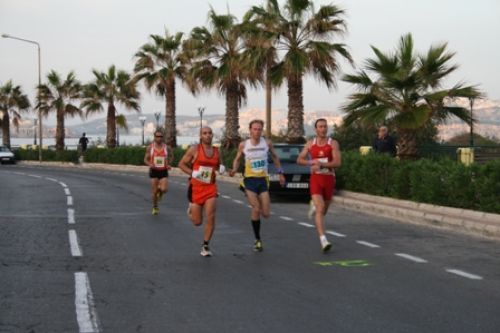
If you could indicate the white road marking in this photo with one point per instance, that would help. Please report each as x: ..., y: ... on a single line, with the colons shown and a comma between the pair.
x: 76, y: 251
x: 70, y: 200
x: 367, y: 244
x: 66, y: 190
x: 286, y: 218
x: 464, y: 274
x: 249, y: 206
x: 71, y: 216
x: 63, y: 184
x: 226, y: 196
x: 35, y: 176
x: 86, y: 314
x: 306, y: 224
x: 238, y: 201
x: 20, y: 173
x: 336, y: 234
x: 51, y: 179
x: 410, y: 257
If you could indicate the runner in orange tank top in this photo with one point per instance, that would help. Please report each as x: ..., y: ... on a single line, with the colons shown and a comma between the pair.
x: 200, y: 162
x: 324, y: 154
x: 158, y: 159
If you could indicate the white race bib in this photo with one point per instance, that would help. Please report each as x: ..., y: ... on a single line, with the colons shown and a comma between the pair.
x: 159, y: 161
x: 323, y: 160
x: 203, y: 174
x: 258, y: 166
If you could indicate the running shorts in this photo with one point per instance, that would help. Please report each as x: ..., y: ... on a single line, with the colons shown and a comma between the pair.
x: 199, y: 194
x: 257, y: 185
x: 155, y: 173
x: 323, y: 185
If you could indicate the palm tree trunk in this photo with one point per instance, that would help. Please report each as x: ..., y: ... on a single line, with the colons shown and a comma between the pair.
x: 295, y: 132
x: 111, y: 125
x: 170, y: 124
x: 268, y: 105
x: 232, y: 137
x: 60, y: 130
x: 6, y: 129
x: 407, y: 146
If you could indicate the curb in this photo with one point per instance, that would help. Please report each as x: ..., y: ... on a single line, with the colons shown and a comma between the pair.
x: 456, y: 219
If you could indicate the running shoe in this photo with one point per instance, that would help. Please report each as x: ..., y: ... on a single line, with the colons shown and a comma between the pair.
x: 258, y: 246
x: 325, y: 245
x: 312, y: 210
x: 205, y: 251
x: 155, y: 211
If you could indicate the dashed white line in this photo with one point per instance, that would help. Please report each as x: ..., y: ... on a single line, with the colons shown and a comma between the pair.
x: 308, y: 225
x: 63, y: 184
x: 71, y: 216
x: 238, y: 201
x: 464, y: 274
x: 226, y: 196
x: 367, y: 244
x: 412, y: 258
x: 76, y: 251
x: 66, y: 190
x: 86, y: 314
x: 35, y: 176
x: 19, y: 173
x: 51, y: 179
x: 336, y: 234
x: 286, y: 218
x: 70, y: 200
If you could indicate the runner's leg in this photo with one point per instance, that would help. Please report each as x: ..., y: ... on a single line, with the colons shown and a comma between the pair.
x: 319, y: 203
x: 209, y: 209
x: 265, y: 204
x: 196, y: 214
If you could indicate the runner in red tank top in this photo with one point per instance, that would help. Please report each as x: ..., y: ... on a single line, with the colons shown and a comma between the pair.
x: 158, y: 159
x: 324, y: 155
x: 200, y: 162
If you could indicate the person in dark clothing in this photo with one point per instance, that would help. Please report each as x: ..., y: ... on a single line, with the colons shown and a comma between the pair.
x: 83, y: 142
x: 384, y: 143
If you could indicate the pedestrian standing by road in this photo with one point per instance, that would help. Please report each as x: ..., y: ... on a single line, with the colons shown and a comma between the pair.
x: 200, y: 162
x: 383, y: 142
x: 324, y: 155
x: 256, y: 179
x: 83, y: 142
x: 158, y: 159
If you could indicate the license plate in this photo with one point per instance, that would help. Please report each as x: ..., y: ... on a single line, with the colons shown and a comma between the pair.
x: 5, y: 158
x: 297, y: 185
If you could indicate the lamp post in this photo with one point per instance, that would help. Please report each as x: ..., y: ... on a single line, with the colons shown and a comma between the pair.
x: 157, y: 117
x: 201, y: 110
x: 34, y: 131
x: 38, y: 90
x: 471, y: 101
x: 143, y: 121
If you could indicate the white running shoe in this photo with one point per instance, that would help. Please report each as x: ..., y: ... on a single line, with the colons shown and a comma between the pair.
x: 205, y: 251
x: 325, y: 245
x: 312, y: 210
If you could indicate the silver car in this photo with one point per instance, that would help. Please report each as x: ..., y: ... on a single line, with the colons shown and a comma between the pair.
x: 6, y: 156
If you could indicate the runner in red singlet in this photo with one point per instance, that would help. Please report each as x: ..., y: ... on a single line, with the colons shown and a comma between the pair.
x: 200, y: 162
x: 324, y: 154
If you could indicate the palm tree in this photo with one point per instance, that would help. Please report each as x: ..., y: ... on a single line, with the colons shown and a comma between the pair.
x: 159, y: 63
x: 12, y: 102
x: 58, y: 96
x: 261, y: 54
x: 110, y: 88
x: 405, y: 92
x: 217, y: 62
x: 305, y: 38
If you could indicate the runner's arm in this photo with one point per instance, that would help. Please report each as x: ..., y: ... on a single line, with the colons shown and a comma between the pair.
x: 277, y: 163
x: 185, y: 164
x: 336, y: 157
x: 170, y: 154
x: 147, y: 158
x: 302, y: 158
x: 236, y: 161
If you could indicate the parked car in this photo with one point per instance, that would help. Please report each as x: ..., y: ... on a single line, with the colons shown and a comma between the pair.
x: 297, y: 176
x: 6, y: 156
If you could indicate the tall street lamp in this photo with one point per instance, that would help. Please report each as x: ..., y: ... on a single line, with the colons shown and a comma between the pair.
x: 157, y: 117
x: 471, y: 101
x: 143, y: 121
x: 38, y: 90
x: 201, y: 110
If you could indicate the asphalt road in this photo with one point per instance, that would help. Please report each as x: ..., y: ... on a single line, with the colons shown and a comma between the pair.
x: 80, y: 252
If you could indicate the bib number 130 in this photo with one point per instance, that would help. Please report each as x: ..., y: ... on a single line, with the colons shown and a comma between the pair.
x: 258, y: 165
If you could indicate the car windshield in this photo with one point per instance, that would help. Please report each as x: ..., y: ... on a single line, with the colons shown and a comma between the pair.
x: 288, y: 154
x: 2, y: 148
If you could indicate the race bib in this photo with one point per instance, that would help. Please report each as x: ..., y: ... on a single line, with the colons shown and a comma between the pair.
x: 159, y: 161
x: 323, y: 170
x: 258, y: 166
x: 203, y: 174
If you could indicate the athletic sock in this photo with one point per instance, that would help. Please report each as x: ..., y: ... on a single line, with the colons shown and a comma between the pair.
x: 256, y: 228
x: 322, y: 238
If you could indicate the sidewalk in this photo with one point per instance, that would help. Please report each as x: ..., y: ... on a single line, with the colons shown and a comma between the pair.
x: 462, y: 220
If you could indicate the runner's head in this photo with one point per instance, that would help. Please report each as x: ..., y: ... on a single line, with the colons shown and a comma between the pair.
x: 158, y: 136
x: 255, y: 128
x: 206, y: 135
x: 321, y: 126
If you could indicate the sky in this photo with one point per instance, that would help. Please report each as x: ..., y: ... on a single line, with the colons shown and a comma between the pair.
x: 81, y: 35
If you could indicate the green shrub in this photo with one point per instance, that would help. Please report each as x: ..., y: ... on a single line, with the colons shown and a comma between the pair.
x: 47, y: 155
